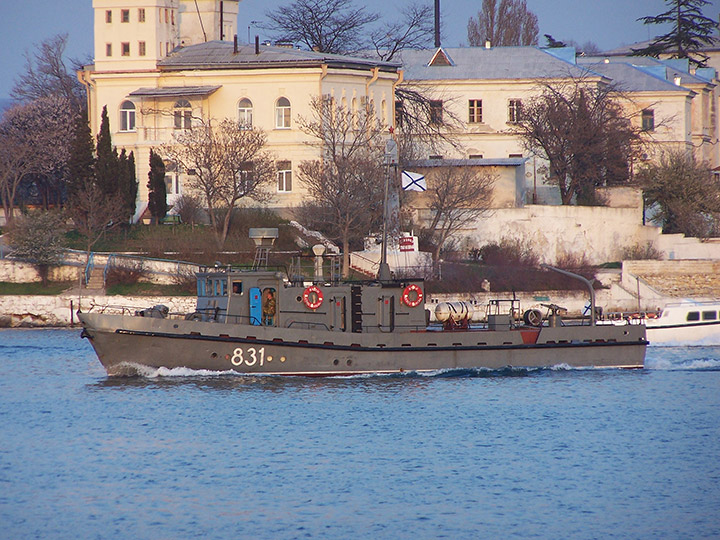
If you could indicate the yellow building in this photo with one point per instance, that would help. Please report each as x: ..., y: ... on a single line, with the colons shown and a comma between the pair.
x: 160, y: 65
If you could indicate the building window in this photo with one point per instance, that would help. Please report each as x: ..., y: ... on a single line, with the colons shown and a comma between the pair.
x: 108, y: 49
x: 284, y: 176
x: 127, y: 116
x: 125, y: 49
x: 475, y: 111
x: 398, y: 114
x: 514, y: 155
x: 141, y: 48
x: 108, y: 16
x: 183, y: 114
x: 514, y: 108
x: 282, y: 113
x: 172, y: 16
x: 475, y: 156
x: 245, y: 113
x: 125, y: 15
x: 167, y: 19
x: 435, y: 156
x: 167, y: 48
x: 141, y: 15
x: 648, y: 120
x: 436, y: 112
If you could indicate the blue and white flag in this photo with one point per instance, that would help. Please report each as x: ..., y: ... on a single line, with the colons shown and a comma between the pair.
x: 413, y: 181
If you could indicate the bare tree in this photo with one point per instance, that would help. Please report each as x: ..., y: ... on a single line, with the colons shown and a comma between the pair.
x: 347, y: 182
x: 46, y: 75
x: 503, y: 23
x: 34, y: 143
x: 584, y: 132
x: 95, y: 213
x: 37, y: 237
x: 457, y: 197
x: 227, y: 163
x: 682, y: 195
x: 329, y: 26
x: 413, y: 31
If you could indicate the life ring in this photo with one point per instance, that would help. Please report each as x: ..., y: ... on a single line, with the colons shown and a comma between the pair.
x: 313, y: 297
x: 412, y: 289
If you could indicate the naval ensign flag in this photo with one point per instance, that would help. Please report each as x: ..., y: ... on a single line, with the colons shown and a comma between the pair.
x: 413, y: 181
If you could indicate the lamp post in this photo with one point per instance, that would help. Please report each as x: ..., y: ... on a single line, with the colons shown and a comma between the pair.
x: 252, y: 23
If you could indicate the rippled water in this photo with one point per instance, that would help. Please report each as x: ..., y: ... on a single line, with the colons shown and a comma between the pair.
x: 513, y: 454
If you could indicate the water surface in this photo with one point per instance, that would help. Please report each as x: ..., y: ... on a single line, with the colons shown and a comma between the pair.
x: 475, y: 454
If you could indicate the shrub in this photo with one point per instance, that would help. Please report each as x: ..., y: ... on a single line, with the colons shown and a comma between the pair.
x: 189, y: 209
x: 128, y: 273
x: 640, y: 252
x: 509, y: 252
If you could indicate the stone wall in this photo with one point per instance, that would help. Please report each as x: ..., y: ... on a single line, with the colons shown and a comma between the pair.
x: 48, y: 311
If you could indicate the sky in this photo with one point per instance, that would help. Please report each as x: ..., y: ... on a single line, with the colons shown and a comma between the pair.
x: 607, y: 23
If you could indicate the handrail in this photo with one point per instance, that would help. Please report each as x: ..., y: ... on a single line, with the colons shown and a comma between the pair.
x: 89, y: 267
x: 580, y: 278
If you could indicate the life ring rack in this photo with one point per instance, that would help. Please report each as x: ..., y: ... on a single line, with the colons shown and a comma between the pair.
x: 312, y: 297
x: 407, y: 294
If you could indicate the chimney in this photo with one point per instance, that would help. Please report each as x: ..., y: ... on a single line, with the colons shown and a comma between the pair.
x: 257, y: 44
x: 437, y: 23
x: 235, y: 47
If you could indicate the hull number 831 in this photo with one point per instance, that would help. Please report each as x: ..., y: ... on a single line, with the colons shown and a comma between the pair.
x: 250, y: 356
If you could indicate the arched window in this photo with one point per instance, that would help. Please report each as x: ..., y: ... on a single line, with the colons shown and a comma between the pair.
x: 245, y: 113
x: 183, y: 114
x: 282, y: 113
x: 127, y: 116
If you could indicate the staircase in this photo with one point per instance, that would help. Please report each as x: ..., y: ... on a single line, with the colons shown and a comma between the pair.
x: 97, y: 279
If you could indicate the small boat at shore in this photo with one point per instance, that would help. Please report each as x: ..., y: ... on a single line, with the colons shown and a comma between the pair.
x: 269, y: 322
x: 681, y: 323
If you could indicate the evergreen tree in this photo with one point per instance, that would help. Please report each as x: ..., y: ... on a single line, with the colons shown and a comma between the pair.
x: 690, y: 31
x: 81, y: 162
x: 157, y: 192
x: 127, y: 185
x: 107, y: 164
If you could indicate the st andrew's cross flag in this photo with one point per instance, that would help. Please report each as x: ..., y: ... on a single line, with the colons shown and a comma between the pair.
x: 413, y: 181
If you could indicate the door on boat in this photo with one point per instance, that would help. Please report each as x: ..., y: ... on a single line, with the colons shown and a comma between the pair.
x: 255, y: 306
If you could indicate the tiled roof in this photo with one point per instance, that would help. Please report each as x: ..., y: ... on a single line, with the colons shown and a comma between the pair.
x: 221, y: 55
x: 487, y: 64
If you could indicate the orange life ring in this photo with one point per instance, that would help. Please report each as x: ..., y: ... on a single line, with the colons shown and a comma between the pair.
x: 313, y: 297
x: 410, y: 289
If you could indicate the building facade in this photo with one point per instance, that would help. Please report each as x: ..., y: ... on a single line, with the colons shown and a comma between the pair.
x: 161, y: 67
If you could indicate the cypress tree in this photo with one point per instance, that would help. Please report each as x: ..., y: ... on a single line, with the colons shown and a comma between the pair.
x: 81, y: 162
x: 107, y: 164
x: 690, y: 31
x: 157, y: 192
x: 127, y: 182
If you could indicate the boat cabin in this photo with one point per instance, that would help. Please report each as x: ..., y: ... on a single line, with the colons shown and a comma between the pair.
x: 268, y: 298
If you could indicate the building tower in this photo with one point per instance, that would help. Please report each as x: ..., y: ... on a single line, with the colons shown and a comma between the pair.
x: 207, y: 20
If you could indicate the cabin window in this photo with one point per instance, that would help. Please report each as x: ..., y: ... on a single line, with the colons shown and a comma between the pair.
x: 201, y: 287
x: 693, y: 316
x: 709, y: 315
x: 237, y: 287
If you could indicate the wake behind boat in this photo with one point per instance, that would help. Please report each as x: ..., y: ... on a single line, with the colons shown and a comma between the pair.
x: 274, y: 322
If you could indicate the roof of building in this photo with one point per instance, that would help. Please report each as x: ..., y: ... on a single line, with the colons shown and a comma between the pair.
x: 626, y: 50
x: 174, y: 91
x: 664, y: 71
x: 482, y: 162
x: 222, y: 55
x: 632, y: 78
x: 486, y: 64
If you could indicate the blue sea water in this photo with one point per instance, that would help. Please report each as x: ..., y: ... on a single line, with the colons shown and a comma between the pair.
x: 550, y: 453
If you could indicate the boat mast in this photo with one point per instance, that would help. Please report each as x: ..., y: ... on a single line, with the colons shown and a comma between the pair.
x: 391, y: 159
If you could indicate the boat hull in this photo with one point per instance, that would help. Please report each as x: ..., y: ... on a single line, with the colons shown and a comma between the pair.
x: 127, y: 345
x: 703, y: 333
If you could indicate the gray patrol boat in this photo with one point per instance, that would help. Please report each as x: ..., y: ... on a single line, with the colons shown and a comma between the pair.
x: 260, y: 321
